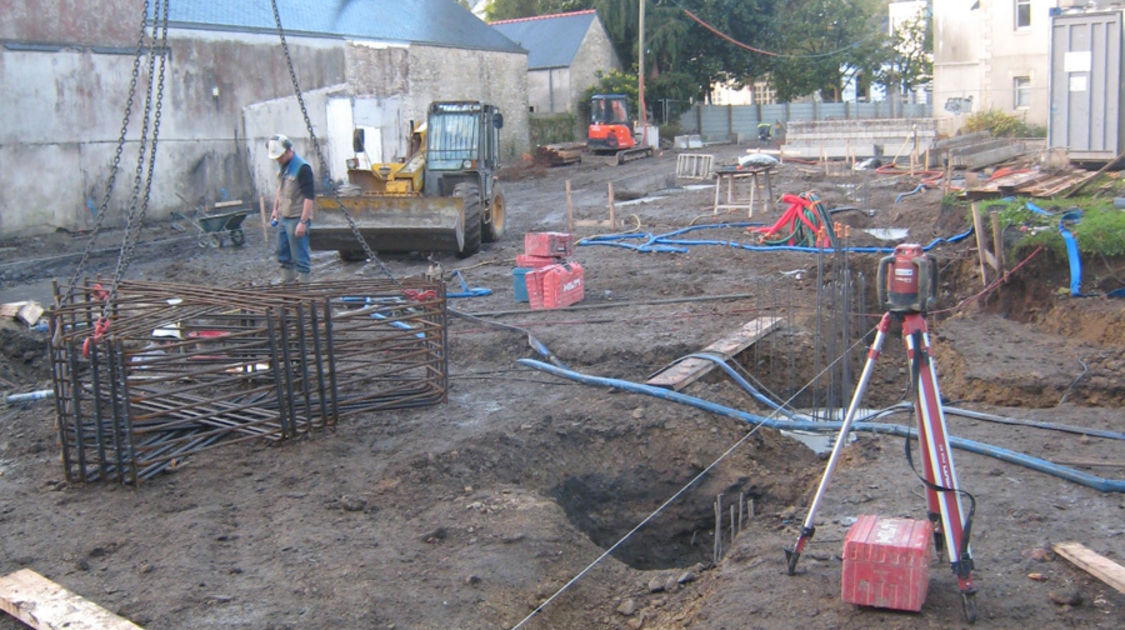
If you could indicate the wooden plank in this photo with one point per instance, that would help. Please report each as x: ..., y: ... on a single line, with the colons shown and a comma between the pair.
x: 1056, y: 185
x: 980, y: 242
x: 1101, y: 170
x: 1096, y: 565
x: 686, y: 372
x: 43, y: 604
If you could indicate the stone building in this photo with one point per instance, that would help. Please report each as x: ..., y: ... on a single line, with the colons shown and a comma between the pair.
x: 66, y: 68
x: 564, y: 54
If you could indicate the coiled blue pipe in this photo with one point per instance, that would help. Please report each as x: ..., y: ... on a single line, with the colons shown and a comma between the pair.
x: 1003, y: 454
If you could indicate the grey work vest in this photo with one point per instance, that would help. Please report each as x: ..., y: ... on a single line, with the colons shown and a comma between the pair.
x: 290, y: 193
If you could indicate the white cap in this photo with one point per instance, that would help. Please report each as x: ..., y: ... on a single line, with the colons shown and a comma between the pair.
x: 277, y: 146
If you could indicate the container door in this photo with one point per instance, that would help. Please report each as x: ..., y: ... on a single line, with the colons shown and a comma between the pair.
x: 1085, y: 87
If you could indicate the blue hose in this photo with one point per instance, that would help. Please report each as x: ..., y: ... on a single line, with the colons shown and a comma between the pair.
x: 667, y: 243
x: 1073, y: 216
x: 465, y: 291
x: 757, y: 395
x: 1003, y: 454
x: 918, y: 189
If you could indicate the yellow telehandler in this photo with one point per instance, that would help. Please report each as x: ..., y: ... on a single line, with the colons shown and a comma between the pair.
x: 443, y: 197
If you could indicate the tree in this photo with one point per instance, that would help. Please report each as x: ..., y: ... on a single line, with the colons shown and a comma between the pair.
x: 512, y: 9
x: 909, y: 56
x: 612, y: 82
x: 805, y: 45
x: 822, y: 42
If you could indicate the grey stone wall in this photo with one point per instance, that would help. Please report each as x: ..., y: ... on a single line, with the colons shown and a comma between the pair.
x: 64, y: 108
x: 403, y: 81
x: 595, y: 54
x: 493, y: 77
x: 549, y: 91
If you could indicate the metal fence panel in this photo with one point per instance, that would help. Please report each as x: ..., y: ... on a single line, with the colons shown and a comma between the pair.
x: 725, y: 122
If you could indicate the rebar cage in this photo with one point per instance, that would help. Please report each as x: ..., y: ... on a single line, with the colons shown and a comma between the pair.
x: 182, y: 368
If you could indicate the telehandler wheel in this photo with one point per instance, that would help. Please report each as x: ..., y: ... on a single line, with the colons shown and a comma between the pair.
x: 492, y: 226
x: 470, y: 197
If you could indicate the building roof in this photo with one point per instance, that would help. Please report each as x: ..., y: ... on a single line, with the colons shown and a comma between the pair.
x: 551, y: 41
x: 434, y: 22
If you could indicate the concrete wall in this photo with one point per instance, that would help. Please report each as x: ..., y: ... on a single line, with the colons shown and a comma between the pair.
x: 1021, y: 52
x: 224, y: 94
x: 71, y: 21
x: 978, y: 53
x: 595, y: 54
x: 959, y: 54
x: 64, y: 109
x: 394, y: 85
x: 549, y: 91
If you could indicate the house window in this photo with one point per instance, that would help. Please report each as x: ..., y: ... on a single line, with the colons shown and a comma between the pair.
x: 1023, y: 13
x: 1022, y: 92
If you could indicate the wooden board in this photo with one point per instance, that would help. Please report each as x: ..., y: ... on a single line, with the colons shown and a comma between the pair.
x: 686, y: 372
x: 42, y: 604
x: 1096, y: 565
x: 1057, y: 184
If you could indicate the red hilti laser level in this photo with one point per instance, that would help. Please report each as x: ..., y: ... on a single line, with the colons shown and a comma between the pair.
x: 907, y: 288
x: 908, y: 280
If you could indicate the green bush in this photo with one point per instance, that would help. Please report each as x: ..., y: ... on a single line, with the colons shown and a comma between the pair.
x: 612, y: 82
x: 670, y: 130
x: 1003, y: 124
x: 1101, y: 231
x: 552, y: 129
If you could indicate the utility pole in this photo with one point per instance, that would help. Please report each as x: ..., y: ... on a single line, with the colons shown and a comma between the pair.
x: 641, y: 74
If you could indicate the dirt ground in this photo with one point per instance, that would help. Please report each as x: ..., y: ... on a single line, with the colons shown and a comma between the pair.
x: 522, y: 488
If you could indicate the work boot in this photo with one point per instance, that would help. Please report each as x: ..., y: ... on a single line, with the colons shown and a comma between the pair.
x: 303, y: 278
x: 288, y: 275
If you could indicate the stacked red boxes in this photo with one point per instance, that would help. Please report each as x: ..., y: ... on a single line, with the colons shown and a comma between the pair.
x: 887, y: 562
x: 557, y: 244
x: 550, y: 280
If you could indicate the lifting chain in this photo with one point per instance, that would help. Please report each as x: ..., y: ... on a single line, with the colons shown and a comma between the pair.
x: 137, y: 211
x: 320, y: 154
x: 101, y: 211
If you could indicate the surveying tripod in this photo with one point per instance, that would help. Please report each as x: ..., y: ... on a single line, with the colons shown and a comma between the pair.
x: 907, y: 284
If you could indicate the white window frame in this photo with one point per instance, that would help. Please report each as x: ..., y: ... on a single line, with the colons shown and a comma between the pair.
x: 1021, y: 4
x: 1021, y: 92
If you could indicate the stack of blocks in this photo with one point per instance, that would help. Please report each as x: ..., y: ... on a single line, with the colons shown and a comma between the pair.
x: 544, y: 277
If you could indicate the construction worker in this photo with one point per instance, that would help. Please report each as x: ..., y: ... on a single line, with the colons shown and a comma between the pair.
x: 292, y: 209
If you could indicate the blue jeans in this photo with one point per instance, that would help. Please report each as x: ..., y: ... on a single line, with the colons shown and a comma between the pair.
x: 292, y: 251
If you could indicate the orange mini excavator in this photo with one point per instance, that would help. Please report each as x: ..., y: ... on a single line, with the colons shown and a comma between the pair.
x: 611, y: 129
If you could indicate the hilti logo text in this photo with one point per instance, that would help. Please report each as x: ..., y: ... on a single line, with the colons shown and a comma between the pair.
x: 886, y: 532
x: 573, y: 284
x: 904, y: 272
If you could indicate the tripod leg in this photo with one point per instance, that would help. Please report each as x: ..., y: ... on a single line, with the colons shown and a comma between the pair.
x: 938, y: 456
x: 792, y: 554
x: 932, y: 501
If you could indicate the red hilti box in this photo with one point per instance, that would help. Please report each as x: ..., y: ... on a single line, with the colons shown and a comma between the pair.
x: 887, y: 562
x: 529, y: 261
x: 548, y: 244
x: 555, y: 286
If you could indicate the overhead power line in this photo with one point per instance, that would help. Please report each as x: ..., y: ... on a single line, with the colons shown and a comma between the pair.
x: 768, y: 53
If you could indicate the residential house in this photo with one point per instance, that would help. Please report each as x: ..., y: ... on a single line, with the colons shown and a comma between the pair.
x: 993, y: 54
